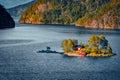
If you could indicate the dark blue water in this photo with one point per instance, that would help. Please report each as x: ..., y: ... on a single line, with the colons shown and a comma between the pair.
x: 19, y: 59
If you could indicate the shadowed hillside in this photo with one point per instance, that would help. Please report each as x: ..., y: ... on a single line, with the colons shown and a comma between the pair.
x: 6, y: 21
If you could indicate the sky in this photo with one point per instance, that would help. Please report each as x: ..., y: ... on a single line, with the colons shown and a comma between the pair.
x: 13, y: 3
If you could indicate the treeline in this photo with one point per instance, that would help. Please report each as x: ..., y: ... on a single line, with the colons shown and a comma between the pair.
x: 106, y: 16
x: 67, y: 11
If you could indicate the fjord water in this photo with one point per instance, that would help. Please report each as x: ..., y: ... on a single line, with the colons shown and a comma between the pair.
x: 19, y: 59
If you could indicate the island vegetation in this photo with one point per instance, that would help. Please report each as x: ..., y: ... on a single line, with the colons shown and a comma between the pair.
x: 96, y: 46
x: 103, y: 14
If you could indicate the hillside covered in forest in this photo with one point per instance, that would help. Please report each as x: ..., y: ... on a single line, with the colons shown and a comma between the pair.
x: 102, y: 14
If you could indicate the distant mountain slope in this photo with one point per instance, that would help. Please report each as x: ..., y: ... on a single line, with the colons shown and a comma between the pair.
x: 18, y: 10
x: 105, y: 17
x: 6, y: 20
x: 12, y: 3
x: 103, y: 14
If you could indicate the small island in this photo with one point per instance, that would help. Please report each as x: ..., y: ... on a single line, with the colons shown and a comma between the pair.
x: 97, y: 46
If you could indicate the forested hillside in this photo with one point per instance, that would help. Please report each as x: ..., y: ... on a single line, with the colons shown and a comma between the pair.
x: 102, y: 14
x: 106, y: 16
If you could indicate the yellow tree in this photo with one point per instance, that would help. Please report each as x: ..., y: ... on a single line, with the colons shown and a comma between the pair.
x: 70, y: 45
x: 94, y: 50
x: 64, y: 45
x: 94, y: 41
x: 87, y: 49
x: 103, y: 50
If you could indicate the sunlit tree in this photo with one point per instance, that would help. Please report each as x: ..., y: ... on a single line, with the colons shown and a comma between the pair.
x: 87, y: 49
x: 70, y: 45
x: 94, y: 50
x: 93, y: 41
x: 103, y: 50
x: 64, y: 45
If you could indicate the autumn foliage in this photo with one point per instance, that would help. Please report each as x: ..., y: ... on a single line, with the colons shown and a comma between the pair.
x: 103, y: 14
x: 96, y: 46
